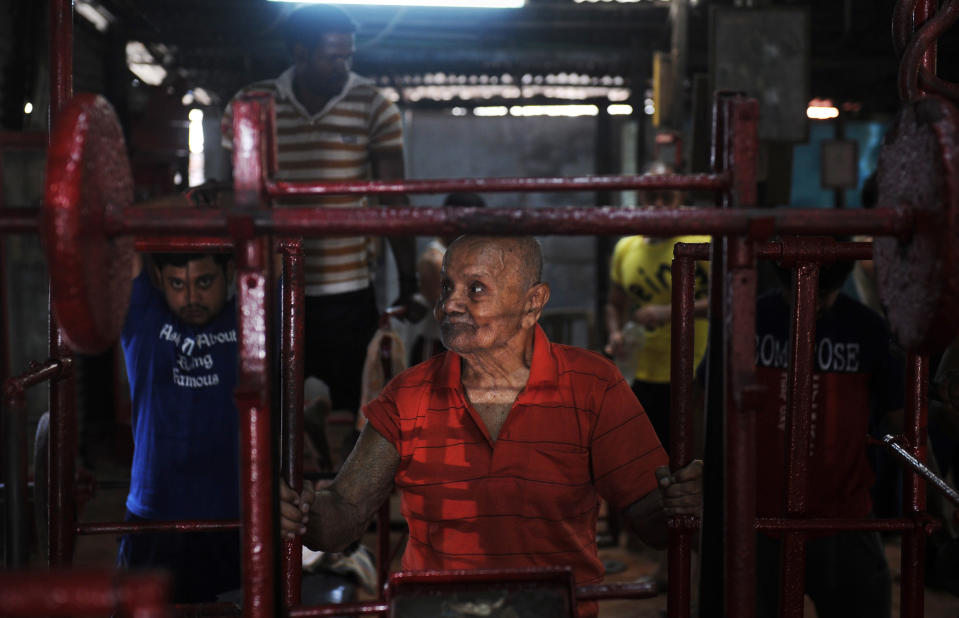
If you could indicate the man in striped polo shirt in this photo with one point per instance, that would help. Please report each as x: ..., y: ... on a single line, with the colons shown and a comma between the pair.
x: 333, y: 125
x: 502, y: 446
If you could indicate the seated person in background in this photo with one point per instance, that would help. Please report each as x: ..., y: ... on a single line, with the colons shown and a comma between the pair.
x: 179, y: 344
x: 424, y: 336
x: 502, y: 446
x: 857, y: 381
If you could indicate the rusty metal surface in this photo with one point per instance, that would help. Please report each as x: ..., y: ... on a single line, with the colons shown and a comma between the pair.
x: 87, y: 177
x: 84, y: 593
x: 680, y: 427
x: 291, y: 367
x: 917, y: 27
x: 685, y: 182
x: 919, y: 278
x: 915, y: 437
x: 573, y: 221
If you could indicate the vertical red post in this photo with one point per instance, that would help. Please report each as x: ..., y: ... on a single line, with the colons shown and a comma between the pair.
x: 63, y: 414
x: 740, y: 146
x: 292, y: 367
x: 680, y: 423
x: 255, y: 297
x: 924, y: 10
x: 798, y: 419
x: 914, y: 489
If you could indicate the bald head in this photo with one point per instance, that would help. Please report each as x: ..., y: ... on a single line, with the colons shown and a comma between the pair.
x: 524, y: 252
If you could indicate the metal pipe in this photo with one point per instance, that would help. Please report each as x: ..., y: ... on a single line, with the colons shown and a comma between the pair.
x: 915, y: 436
x: 680, y: 420
x: 799, y: 405
x: 186, y: 525
x: 293, y: 317
x: 192, y: 244
x: 785, y: 524
x: 684, y: 182
x: 61, y: 505
x: 74, y: 593
x: 340, y: 609
x: 19, y: 220
x: 399, y: 221
x: 626, y: 590
x: 891, y: 445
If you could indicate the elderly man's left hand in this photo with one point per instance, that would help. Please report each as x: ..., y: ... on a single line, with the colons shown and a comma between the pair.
x: 682, y: 490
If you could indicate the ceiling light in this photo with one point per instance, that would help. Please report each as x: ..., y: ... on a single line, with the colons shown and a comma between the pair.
x: 466, y: 4
x: 822, y: 109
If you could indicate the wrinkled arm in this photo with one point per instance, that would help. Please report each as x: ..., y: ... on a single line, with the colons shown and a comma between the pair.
x: 333, y: 517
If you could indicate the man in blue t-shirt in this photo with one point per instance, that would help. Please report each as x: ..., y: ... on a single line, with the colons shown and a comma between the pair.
x: 179, y: 344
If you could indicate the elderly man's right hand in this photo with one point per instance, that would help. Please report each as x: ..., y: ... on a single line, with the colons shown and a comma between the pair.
x: 295, y: 509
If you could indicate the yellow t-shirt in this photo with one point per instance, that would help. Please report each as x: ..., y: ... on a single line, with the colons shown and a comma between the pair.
x: 643, y: 268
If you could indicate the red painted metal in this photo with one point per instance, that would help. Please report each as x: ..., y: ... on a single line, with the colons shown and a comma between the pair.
x: 626, y: 590
x: 798, y: 419
x: 19, y: 220
x: 914, y: 489
x: 816, y: 250
x: 191, y: 244
x: 255, y: 296
x: 84, y: 593
x: 685, y: 182
x: 740, y: 145
x: 61, y: 505
x: 575, y: 221
x: 88, y: 176
x: 184, y: 525
x: 680, y: 431
x: 293, y: 318
x: 340, y: 609
x: 777, y: 524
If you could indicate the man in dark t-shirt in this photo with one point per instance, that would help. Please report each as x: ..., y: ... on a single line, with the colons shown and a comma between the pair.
x: 857, y: 381
x: 179, y: 344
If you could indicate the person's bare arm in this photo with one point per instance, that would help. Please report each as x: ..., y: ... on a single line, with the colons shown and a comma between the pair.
x: 335, y: 516
x: 679, y: 493
x: 387, y: 164
x: 613, y: 312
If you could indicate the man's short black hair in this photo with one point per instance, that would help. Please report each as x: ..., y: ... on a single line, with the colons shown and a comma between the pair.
x: 180, y: 260
x: 307, y: 25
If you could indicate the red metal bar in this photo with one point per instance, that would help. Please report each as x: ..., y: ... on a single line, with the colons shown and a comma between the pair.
x: 84, y: 593
x: 254, y: 298
x: 816, y: 250
x: 192, y: 244
x: 23, y: 140
x: 740, y: 145
x: 293, y: 317
x: 798, y: 418
x: 680, y: 434
x: 914, y: 489
x: 576, y: 221
x: 340, y: 609
x: 684, y: 182
x: 61, y: 505
x: 778, y: 524
x: 186, y: 525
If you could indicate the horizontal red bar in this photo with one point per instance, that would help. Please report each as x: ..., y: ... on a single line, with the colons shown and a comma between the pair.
x: 773, y: 524
x: 628, y: 590
x: 81, y: 593
x: 49, y: 370
x: 199, y: 245
x: 23, y: 140
x: 341, y: 609
x: 686, y: 182
x: 19, y: 220
x: 810, y: 251
x: 581, y: 221
x: 123, y: 527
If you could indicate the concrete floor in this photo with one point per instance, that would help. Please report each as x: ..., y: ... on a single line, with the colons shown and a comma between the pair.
x: 107, y: 505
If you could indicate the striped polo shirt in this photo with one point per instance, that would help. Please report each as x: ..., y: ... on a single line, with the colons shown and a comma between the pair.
x: 333, y: 145
x: 531, y: 499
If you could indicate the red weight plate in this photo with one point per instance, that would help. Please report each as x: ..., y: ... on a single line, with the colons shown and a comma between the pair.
x: 919, y: 277
x: 88, y: 182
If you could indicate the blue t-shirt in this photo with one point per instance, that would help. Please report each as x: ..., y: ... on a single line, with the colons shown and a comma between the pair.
x: 185, y: 425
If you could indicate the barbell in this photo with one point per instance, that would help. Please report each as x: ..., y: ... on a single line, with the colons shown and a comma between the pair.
x: 87, y: 223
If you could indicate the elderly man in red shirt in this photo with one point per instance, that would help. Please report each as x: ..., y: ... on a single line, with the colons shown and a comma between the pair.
x: 502, y: 446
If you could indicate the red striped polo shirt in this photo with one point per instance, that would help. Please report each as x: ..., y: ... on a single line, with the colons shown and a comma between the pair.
x: 575, y: 433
